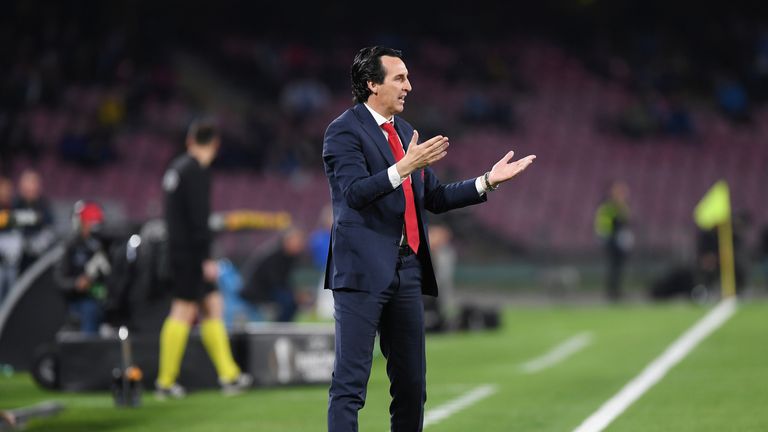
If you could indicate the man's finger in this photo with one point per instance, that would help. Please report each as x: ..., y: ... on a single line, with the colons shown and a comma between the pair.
x: 524, y: 162
x: 435, y: 158
x: 436, y: 150
x: 440, y: 147
x: 432, y: 141
x: 414, y: 138
x: 507, y: 157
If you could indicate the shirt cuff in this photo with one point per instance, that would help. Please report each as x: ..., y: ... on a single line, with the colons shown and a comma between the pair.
x: 394, y: 176
x: 480, y: 186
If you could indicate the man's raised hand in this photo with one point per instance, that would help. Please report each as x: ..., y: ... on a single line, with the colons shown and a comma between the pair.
x: 422, y: 155
x: 504, y: 169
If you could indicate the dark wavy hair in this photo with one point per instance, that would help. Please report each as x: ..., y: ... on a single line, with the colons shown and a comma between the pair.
x: 203, y: 130
x: 367, y: 67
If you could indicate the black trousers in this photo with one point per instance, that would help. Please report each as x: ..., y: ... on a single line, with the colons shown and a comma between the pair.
x: 397, y: 314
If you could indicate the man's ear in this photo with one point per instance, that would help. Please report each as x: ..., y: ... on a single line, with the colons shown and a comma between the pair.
x: 373, y: 87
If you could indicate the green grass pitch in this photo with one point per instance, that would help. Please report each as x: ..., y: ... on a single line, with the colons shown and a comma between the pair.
x: 722, y: 385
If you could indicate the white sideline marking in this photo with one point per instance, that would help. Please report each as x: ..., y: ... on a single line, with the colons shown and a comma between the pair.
x: 557, y: 354
x: 655, y: 371
x: 440, y: 413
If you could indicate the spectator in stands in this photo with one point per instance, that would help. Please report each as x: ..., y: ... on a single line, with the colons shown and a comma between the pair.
x: 187, y: 185
x: 83, y: 268
x: 612, y: 225
x: 15, y: 138
x: 675, y: 117
x: 6, y: 152
x: 480, y: 108
x: 733, y: 100
x: 80, y: 144
x: 110, y: 116
x: 760, y: 66
x: 10, y: 239
x: 272, y: 277
x: 641, y: 119
x: 38, y: 234
x: 304, y: 97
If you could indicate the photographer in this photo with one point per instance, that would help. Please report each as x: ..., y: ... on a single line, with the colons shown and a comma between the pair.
x: 83, y: 268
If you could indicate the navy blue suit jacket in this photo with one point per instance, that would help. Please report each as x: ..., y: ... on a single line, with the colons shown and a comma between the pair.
x: 368, y: 213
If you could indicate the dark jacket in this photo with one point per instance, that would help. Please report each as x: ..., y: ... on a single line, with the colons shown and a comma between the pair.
x: 83, y: 255
x: 368, y: 214
x: 187, y: 186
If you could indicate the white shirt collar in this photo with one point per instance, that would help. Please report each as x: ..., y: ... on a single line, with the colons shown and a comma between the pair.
x: 380, y: 119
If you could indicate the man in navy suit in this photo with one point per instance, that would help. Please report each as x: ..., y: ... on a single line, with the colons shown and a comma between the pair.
x: 379, y: 262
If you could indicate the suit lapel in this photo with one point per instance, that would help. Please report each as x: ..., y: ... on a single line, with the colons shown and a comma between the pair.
x: 377, y: 135
x: 374, y: 131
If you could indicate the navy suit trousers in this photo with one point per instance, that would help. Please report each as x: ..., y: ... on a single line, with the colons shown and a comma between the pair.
x: 397, y: 313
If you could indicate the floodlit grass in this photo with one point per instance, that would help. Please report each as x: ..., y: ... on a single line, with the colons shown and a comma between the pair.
x: 721, y: 386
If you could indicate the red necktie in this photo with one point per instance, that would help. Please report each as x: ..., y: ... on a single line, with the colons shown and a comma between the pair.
x: 411, y: 222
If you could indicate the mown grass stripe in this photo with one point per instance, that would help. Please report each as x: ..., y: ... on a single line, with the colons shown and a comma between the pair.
x: 442, y: 412
x: 557, y: 354
x: 656, y: 370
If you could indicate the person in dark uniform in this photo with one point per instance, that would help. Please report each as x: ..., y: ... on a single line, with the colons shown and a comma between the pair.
x: 186, y: 185
x: 612, y: 225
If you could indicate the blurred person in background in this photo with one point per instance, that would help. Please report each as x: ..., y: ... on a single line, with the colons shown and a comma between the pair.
x: 237, y: 311
x: 318, y: 243
x: 83, y: 268
x: 187, y: 187
x: 379, y: 263
x: 271, y: 280
x: 38, y: 234
x: 441, y: 313
x: 10, y: 239
x: 612, y: 226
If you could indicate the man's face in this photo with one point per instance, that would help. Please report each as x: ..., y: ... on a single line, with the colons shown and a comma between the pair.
x: 29, y: 186
x: 620, y: 192
x: 205, y: 154
x: 388, y: 98
x: 294, y: 243
x: 213, y: 149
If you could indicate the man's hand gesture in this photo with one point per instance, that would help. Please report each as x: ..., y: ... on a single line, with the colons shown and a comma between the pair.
x: 504, y: 170
x: 422, y: 155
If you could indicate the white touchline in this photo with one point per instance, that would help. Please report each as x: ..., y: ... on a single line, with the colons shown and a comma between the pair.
x: 557, y: 354
x: 655, y: 371
x: 440, y: 413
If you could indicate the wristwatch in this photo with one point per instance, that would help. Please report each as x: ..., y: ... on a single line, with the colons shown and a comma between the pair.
x: 488, y: 182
